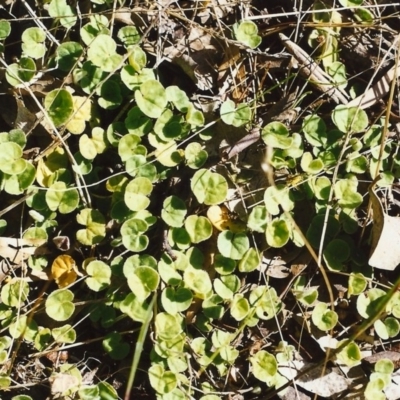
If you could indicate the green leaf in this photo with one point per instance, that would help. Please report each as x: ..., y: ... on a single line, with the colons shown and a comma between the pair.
x: 349, y: 119
x: 336, y: 253
x: 357, y: 284
x: 364, y: 15
x: 176, y: 300
x: 15, y: 135
x: 97, y: 25
x: 195, y: 155
x: 137, y: 58
x: 11, y: 162
x: 197, y: 280
x: 162, y: 381
x: 346, y: 193
x: 233, y: 245
x: 199, y: 228
x: 61, y: 198
x: 91, y: 76
x: 137, y: 192
x: 350, y: 355
x: 151, y: 98
x: 89, y: 393
x: 59, y: 105
x: 95, y: 230
x: 174, y: 211
x: 195, y: 117
x: 115, y: 347
x: 5, y: 29
x: 368, y: 303
x: 314, y: 129
x: 277, y: 233
x: 351, y: 3
x: 134, y: 80
x: 59, y: 305
x: 279, y: 195
x: 264, y: 366
x: 133, y: 237
x: 134, y: 308
x: 236, y: 116
x: 324, y: 318
x: 258, y: 219
x: 168, y: 326
x: 384, y: 366
x: 67, y: 55
x: 64, y: 334
x: 22, y: 328
x: 33, y: 42
x: 316, y: 228
x: 240, y: 307
x: 247, y: 33
x: 23, y: 71
x: 137, y: 123
x: 128, y: 35
x: 178, y: 97
x: 310, y: 165
x: 14, y: 293
x: 143, y: 280
x: 276, y: 135
x: 224, y: 265
x: 127, y: 146
x: 110, y: 95
x: 250, y: 261
x: 59, y: 9
x: 337, y: 70
x: 209, y: 187
x: 226, y: 286
x: 102, y: 53
x: 99, y: 275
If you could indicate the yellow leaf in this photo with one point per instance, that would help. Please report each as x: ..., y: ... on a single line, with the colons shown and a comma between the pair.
x: 63, y: 270
x: 56, y: 160
x: 223, y: 220
x: 82, y: 113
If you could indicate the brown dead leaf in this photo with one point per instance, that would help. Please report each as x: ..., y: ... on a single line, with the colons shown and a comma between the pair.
x: 222, y: 219
x: 64, y: 270
x: 61, y: 383
x: 196, y: 55
x: 385, y: 250
x: 18, y: 250
x: 327, y: 384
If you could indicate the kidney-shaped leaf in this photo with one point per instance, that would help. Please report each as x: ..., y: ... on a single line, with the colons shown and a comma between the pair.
x: 61, y: 10
x: 95, y: 227
x: 264, y: 366
x: 199, y: 228
x: 143, y: 280
x: 63, y: 270
x: 209, y: 187
x: 176, y: 300
x: 59, y: 104
x: 136, y: 193
x: 233, y: 245
x: 133, y: 237
x: 59, y: 305
x: 151, y: 98
x: 102, y: 53
x: 174, y: 211
x: 323, y: 318
x: 350, y: 119
x: 99, y: 275
x: 11, y: 162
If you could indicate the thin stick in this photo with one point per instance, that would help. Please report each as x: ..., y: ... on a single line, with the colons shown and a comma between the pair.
x: 311, y: 70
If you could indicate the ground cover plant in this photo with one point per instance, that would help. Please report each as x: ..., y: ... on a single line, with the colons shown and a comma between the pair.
x: 199, y: 199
